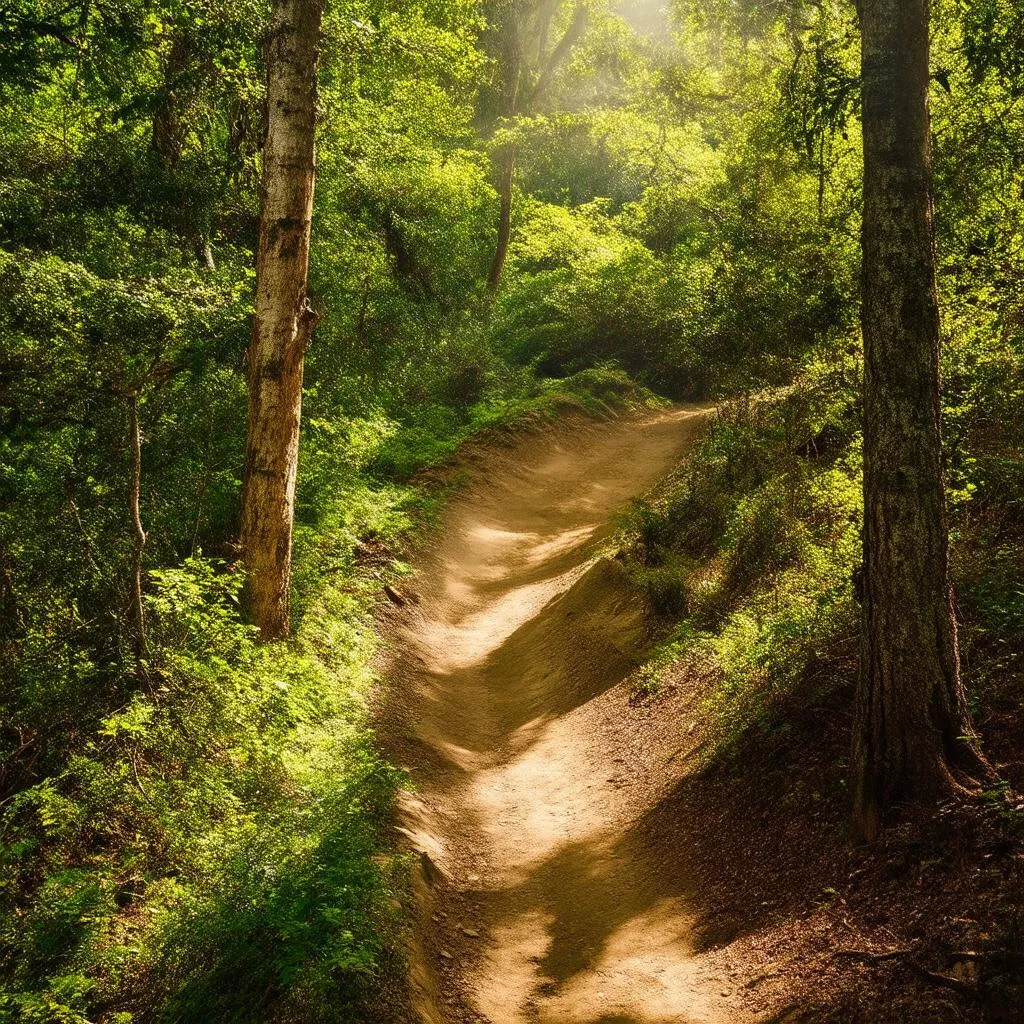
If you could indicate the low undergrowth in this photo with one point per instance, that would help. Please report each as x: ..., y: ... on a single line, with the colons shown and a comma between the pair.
x: 438, y: 431
x: 205, y: 834
x: 209, y: 848
x: 749, y: 554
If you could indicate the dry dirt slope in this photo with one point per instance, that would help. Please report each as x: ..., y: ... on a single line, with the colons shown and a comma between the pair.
x: 578, y: 865
x: 545, y: 895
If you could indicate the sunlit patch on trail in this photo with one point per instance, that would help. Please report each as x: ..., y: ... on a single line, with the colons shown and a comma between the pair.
x: 468, y: 641
x: 646, y: 973
x: 523, y: 626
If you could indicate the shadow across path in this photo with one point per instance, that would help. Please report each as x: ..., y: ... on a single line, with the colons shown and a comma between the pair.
x: 509, y: 665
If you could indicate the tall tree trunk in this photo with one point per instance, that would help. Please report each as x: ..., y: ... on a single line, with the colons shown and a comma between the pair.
x: 911, y: 713
x: 508, y: 173
x: 512, y: 104
x: 560, y: 54
x: 139, y: 538
x: 284, y: 318
x: 512, y: 69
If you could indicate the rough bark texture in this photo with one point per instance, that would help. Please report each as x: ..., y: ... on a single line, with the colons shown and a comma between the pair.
x: 284, y: 319
x: 910, y: 708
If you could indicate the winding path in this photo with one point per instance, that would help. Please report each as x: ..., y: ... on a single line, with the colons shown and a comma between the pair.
x: 543, y: 898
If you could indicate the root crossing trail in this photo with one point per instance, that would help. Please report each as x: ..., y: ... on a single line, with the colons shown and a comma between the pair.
x: 544, y: 898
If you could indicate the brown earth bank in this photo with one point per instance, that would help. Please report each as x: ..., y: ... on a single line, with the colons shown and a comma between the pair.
x: 583, y: 858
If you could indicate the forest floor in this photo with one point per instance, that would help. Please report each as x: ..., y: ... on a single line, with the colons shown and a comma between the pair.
x: 577, y: 862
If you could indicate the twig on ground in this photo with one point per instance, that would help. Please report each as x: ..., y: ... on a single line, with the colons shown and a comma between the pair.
x: 963, y: 987
x: 872, y: 956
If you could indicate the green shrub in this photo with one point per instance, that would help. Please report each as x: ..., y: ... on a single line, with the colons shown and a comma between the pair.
x: 751, y: 550
x: 213, y: 846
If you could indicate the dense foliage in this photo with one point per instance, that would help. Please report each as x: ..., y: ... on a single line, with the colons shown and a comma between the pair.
x: 201, y: 808
x: 753, y: 553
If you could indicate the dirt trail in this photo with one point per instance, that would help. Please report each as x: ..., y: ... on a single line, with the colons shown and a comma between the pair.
x: 545, y: 897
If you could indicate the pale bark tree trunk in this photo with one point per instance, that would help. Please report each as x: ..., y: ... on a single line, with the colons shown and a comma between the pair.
x: 284, y: 319
x: 911, y: 714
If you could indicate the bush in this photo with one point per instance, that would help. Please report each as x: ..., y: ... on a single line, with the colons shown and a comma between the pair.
x: 212, y: 847
x: 750, y: 552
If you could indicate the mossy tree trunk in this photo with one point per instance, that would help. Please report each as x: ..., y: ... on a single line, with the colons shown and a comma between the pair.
x: 284, y: 319
x: 911, y: 714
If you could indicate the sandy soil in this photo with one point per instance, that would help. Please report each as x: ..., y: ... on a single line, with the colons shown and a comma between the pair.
x: 545, y: 896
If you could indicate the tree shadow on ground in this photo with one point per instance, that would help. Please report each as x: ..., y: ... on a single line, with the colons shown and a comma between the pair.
x: 754, y: 847
x: 735, y: 849
x: 578, y: 645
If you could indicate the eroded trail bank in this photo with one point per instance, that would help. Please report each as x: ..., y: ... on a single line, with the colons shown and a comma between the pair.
x: 545, y: 897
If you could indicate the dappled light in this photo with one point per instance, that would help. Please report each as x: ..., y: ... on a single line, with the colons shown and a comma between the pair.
x: 523, y: 623
x: 511, y: 511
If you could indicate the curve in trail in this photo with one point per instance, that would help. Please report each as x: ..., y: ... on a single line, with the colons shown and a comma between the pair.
x: 552, y: 905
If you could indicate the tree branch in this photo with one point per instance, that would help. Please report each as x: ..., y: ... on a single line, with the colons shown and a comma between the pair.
x: 559, y: 54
